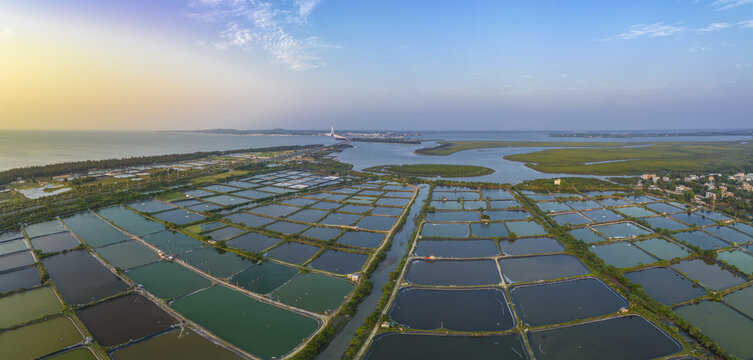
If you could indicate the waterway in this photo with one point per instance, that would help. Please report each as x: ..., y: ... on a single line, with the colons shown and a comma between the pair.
x: 400, y: 242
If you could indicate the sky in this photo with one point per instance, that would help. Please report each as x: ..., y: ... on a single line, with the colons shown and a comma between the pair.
x: 368, y: 64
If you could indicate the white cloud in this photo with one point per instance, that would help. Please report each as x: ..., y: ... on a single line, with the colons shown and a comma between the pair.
x: 730, y: 4
x: 253, y: 25
x: 7, y: 32
x: 641, y: 31
x: 715, y: 26
x: 746, y: 24
x: 698, y: 48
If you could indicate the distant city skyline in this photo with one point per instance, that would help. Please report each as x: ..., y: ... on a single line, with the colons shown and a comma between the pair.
x: 431, y: 65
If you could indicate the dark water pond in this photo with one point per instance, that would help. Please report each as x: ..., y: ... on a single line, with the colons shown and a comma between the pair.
x: 339, y: 262
x: 172, y: 242
x: 264, y: 278
x: 626, y: 338
x: 293, y: 252
x: 546, y: 267
x: 80, y: 278
x: 394, y: 346
x: 19, y: 279
x: 530, y: 246
x: 55, y: 242
x: 216, y: 263
x: 461, y: 310
x: 253, y: 242
x: 363, y: 239
x: 456, y: 248
x: 93, y: 230
x: 564, y: 301
x: 665, y: 285
x: 123, y: 319
x: 453, y: 272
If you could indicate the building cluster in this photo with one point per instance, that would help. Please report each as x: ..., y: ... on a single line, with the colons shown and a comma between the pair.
x: 715, y: 185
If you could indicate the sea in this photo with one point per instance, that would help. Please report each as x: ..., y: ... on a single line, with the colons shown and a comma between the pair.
x: 19, y: 148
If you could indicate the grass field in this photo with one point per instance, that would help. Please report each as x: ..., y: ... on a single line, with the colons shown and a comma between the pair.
x: 431, y: 170
x: 451, y: 147
x: 689, y: 157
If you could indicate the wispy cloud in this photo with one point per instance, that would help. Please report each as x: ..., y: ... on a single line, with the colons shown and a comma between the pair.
x: 729, y: 4
x: 714, y: 27
x: 254, y: 25
x: 641, y: 31
x: 7, y: 32
x: 746, y: 24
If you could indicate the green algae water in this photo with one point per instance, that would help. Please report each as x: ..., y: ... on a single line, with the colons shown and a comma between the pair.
x: 33, y: 341
x: 730, y: 329
x: 175, y: 344
x: 167, y: 280
x: 258, y: 328
x: 28, y: 305
x: 314, y: 292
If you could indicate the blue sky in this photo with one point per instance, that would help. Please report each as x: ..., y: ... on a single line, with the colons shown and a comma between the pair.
x: 386, y: 64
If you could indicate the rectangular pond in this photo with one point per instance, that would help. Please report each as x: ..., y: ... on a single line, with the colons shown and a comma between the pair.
x: 635, y: 211
x: 39, y: 339
x: 178, y: 344
x: 456, y: 248
x: 630, y: 337
x: 167, y: 280
x: 742, y: 300
x: 216, y: 262
x: 261, y: 329
x: 661, y: 222
x: 452, y: 216
x: 570, y: 219
x: 665, y: 285
x: 602, y: 215
x: 28, y: 305
x: 444, y: 230
x: 43, y: 228
x: 314, y: 292
x: 172, y: 242
x: 124, y: 319
x: 55, y: 242
x: 16, y: 260
x: 364, y: 239
x: 622, y: 254
x: 525, y: 228
x: 396, y: 346
x: 730, y: 329
x: 452, y: 272
x: 545, y: 267
x: 19, y: 279
x: 700, y: 239
x: 249, y: 220
x: 130, y: 221
x: 93, y: 230
x: 80, y: 278
x: 709, y: 274
x: 339, y: 262
x: 530, y: 246
x: 488, y: 230
x: 264, y: 277
x: 663, y: 249
x: 739, y: 259
x: 575, y: 300
x: 178, y: 216
x: 622, y: 230
x: 127, y: 254
x: 253, y: 242
x: 293, y: 252
x: 586, y: 235
x: 149, y: 205
x: 459, y: 310
x: 379, y: 223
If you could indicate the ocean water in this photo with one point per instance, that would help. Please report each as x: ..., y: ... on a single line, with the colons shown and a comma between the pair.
x: 26, y: 148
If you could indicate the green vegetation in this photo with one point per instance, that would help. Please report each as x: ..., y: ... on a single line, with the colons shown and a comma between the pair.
x: 441, y: 170
x: 677, y: 157
x: 451, y: 147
